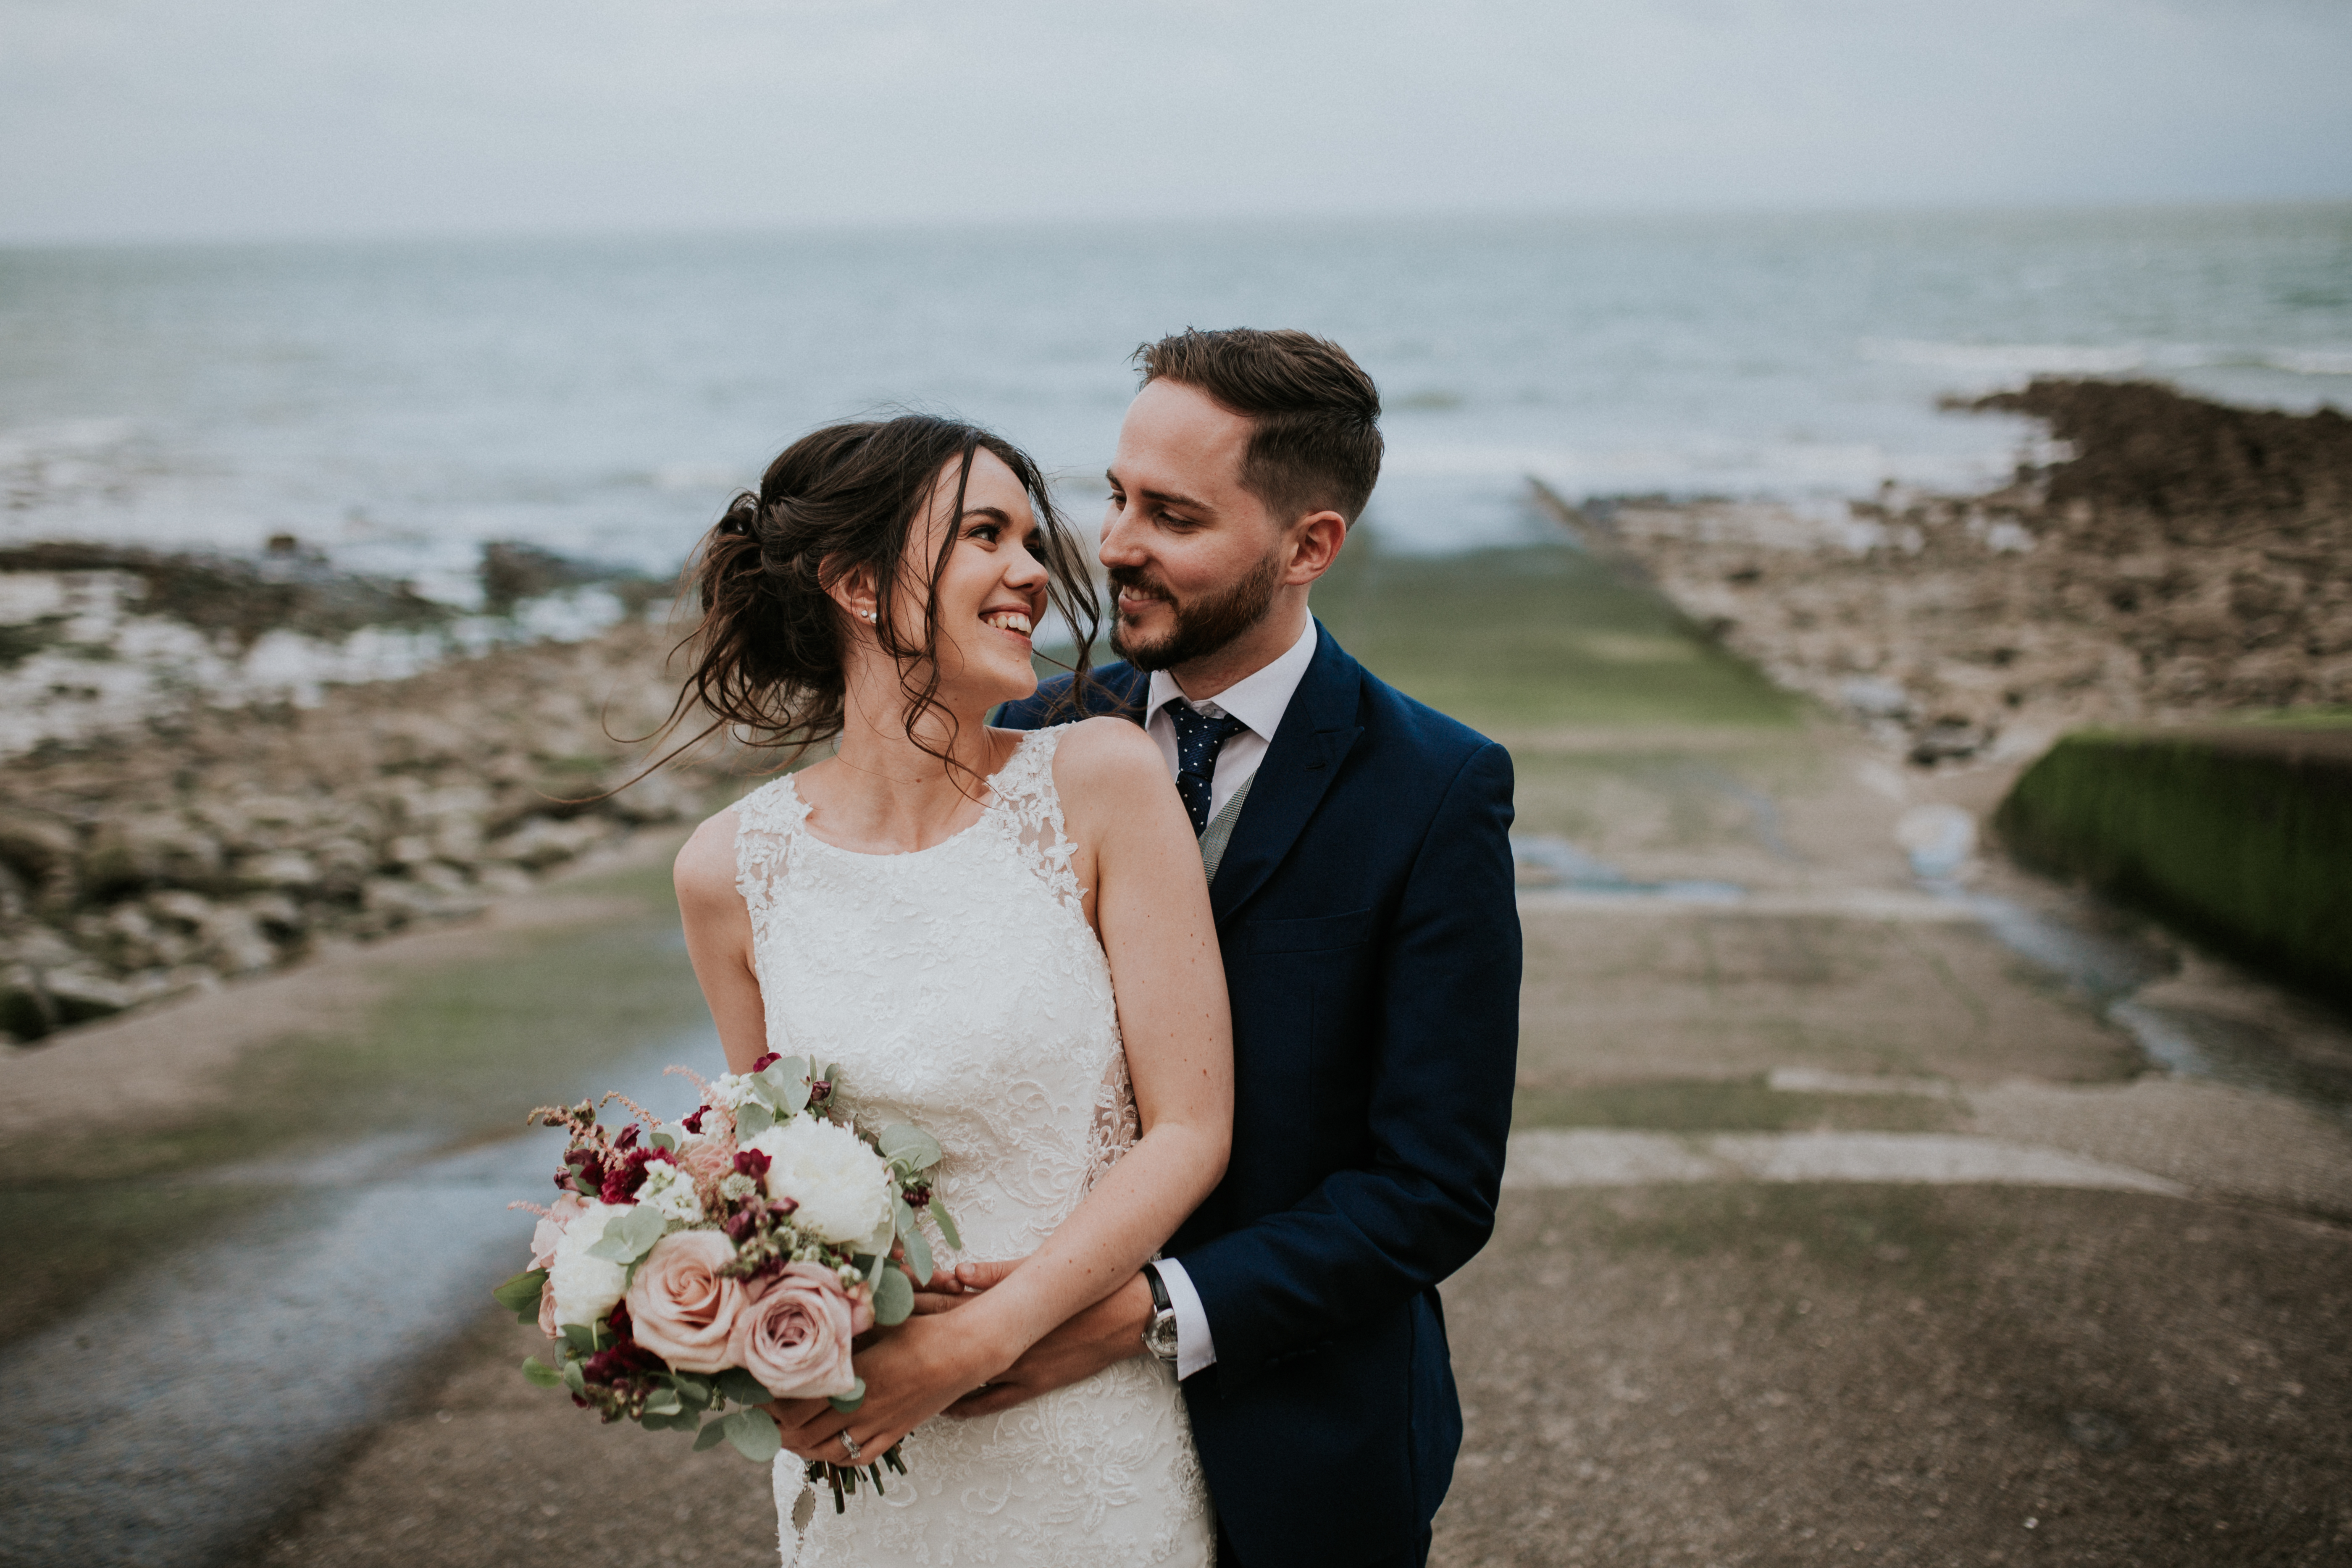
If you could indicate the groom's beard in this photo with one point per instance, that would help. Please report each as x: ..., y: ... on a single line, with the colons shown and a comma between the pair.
x: 1204, y: 626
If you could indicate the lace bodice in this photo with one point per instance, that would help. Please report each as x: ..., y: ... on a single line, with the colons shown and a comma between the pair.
x: 962, y: 988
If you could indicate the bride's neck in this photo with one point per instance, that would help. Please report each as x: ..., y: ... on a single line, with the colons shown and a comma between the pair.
x: 891, y: 792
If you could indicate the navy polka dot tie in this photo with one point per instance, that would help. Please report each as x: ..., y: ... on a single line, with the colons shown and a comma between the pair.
x: 1199, y: 739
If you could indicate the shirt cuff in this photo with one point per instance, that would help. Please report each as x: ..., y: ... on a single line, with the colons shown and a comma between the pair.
x: 1195, y: 1348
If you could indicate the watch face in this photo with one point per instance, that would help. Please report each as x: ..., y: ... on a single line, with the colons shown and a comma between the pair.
x: 1159, y: 1336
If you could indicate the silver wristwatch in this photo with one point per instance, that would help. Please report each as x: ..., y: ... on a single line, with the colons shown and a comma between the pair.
x: 1159, y: 1334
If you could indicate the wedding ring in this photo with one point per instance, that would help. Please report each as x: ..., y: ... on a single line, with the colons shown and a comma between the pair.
x: 850, y: 1444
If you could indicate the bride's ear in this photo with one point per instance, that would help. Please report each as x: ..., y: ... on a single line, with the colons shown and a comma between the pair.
x: 853, y: 590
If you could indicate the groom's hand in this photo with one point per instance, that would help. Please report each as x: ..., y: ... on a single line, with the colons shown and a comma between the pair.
x: 1103, y: 1335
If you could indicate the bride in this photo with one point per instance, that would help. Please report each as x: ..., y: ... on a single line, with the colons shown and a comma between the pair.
x: 1002, y: 938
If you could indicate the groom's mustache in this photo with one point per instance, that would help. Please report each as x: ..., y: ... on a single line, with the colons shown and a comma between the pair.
x: 1132, y: 580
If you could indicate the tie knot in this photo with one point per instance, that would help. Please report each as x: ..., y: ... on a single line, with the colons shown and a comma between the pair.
x: 1192, y: 725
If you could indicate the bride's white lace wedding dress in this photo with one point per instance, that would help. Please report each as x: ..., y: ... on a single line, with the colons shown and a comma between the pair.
x: 961, y: 988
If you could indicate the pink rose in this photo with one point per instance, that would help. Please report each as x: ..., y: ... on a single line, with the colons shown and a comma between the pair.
x: 709, y: 1161
x: 794, y: 1336
x: 550, y: 1231
x: 547, y: 1310
x: 680, y: 1307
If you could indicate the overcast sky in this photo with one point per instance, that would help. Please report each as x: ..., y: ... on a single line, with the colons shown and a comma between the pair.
x: 252, y: 117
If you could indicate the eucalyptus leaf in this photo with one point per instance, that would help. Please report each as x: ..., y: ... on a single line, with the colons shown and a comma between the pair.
x: 574, y: 1379
x: 910, y: 1146
x: 752, y: 1118
x: 539, y: 1375
x: 894, y: 1297
x: 520, y: 1295
x: 741, y: 1387
x: 693, y: 1388
x: 788, y: 1085
x: 661, y: 1140
x: 945, y: 1221
x: 711, y: 1436
x: 630, y: 1234
x: 664, y: 1401
x: 910, y: 1235
x: 846, y: 1403
x: 754, y: 1434
x: 580, y: 1336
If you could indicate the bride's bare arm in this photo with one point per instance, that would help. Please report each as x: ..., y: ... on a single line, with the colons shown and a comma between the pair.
x: 718, y: 939
x: 1151, y: 909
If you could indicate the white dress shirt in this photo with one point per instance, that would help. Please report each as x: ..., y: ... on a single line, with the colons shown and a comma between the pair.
x: 1258, y: 700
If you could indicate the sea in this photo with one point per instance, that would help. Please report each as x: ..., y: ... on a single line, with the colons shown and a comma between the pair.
x: 395, y: 405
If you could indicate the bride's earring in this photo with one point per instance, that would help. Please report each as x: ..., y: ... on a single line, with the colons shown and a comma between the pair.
x: 869, y: 614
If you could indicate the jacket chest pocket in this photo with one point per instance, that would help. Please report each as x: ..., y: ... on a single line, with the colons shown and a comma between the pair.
x: 1322, y: 933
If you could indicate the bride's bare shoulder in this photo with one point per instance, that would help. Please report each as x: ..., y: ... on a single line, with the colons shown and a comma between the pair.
x: 1107, y: 755
x: 705, y: 868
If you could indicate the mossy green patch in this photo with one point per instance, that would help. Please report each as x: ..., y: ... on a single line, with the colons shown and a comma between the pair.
x: 2245, y: 845
x: 1854, y: 1229
x: 1725, y: 1105
x: 1539, y: 636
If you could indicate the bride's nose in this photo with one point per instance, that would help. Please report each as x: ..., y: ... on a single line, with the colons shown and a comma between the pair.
x: 1024, y: 569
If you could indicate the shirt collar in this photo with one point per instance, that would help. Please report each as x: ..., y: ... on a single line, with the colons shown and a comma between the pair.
x: 1258, y: 698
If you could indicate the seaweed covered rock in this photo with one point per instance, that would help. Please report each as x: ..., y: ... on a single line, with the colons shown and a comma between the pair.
x: 2164, y: 557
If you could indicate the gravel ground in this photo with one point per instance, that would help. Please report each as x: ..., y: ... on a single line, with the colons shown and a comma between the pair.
x: 1759, y: 1375
x: 1728, y: 1374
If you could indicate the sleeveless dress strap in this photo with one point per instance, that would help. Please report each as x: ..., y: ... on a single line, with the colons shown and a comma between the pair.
x: 1030, y: 807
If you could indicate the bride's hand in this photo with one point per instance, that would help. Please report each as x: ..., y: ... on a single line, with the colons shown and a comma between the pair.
x: 913, y: 1374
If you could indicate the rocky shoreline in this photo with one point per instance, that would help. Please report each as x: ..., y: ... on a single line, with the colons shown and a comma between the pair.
x: 2169, y: 560
x: 203, y: 841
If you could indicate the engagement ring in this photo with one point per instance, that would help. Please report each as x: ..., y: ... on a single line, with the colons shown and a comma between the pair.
x: 850, y: 1442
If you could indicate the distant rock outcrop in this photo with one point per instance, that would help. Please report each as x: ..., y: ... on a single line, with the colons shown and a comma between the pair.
x: 2171, y: 558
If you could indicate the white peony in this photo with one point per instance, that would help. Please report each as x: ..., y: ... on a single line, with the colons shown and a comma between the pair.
x: 669, y: 1191
x: 585, y: 1288
x: 843, y: 1186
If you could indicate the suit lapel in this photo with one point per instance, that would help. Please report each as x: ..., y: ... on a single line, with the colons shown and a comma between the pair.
x: 1316, y: 733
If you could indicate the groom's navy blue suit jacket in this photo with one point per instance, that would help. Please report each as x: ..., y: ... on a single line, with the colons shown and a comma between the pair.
x: 1366, y: 913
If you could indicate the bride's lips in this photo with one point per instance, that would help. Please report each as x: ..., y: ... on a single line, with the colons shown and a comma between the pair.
x: 1012, y: 620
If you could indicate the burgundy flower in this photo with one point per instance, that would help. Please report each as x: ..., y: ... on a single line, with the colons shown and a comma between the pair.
x: 753, y: 1163
x: 621, y: 1179
x: 694, y: 1123
x: 626, y: 1138
x: 768, y: 1060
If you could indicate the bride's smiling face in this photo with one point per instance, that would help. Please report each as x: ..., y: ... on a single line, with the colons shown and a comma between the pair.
x: 992, y: 589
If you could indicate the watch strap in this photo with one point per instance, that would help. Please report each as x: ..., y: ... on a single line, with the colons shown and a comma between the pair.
x: 1160, y: 1299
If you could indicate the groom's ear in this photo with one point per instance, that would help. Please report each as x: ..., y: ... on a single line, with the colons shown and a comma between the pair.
x: 1315, y: 542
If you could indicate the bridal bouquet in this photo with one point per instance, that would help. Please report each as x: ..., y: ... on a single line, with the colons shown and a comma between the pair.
x: 729, y: 1257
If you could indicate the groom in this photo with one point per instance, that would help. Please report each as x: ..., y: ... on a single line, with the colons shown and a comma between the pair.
x: 1356, y: 848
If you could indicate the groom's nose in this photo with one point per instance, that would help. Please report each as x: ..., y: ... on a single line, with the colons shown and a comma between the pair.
x: 1122, y: 539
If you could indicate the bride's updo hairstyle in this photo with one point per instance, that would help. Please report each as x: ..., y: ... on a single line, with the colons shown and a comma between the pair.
x: 768, y: 651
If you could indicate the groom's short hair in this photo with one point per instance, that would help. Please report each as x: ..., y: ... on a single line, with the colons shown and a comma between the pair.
x: 1317, y: 416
